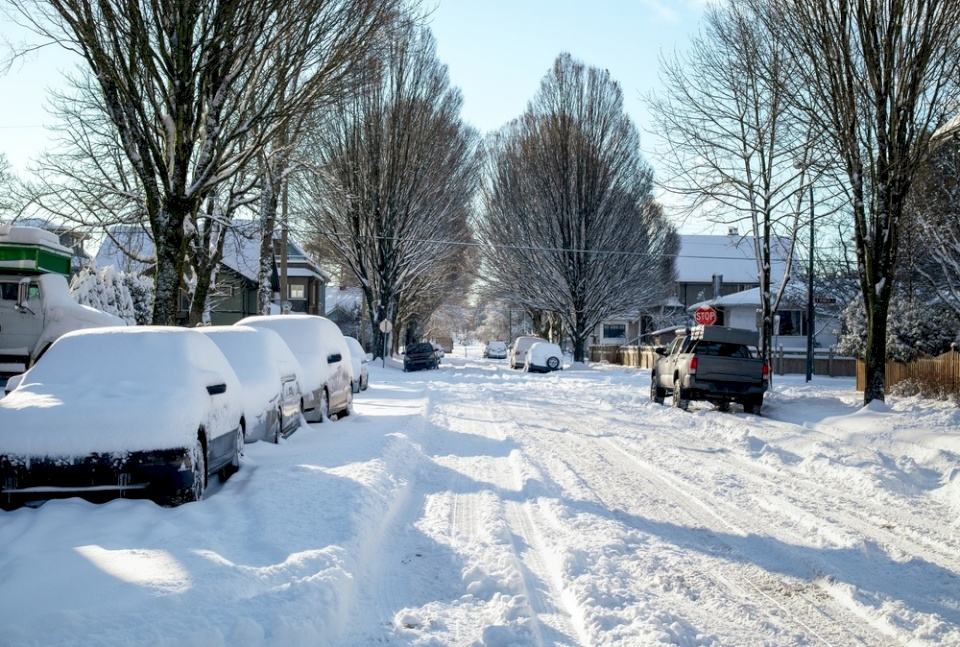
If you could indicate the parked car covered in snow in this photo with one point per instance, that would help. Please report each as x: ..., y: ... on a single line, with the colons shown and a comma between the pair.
x: 519, y: 348
x: 269, y: 377
x: 543, y: 357
x: 495, y: 350
x: 147, y: 412
x: 321, y: 350
x: 361, y: 374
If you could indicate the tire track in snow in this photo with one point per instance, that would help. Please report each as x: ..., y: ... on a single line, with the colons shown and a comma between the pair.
x: 587, y: 453
x: 552, y: 608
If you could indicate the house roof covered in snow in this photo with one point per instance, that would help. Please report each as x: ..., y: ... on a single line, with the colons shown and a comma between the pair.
x: 732, y: 256
x: 130, y: 248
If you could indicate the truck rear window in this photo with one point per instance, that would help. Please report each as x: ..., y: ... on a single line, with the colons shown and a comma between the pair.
x: 721, y: 349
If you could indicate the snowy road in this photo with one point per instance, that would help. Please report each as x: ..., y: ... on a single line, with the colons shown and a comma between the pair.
x: 475, y: 505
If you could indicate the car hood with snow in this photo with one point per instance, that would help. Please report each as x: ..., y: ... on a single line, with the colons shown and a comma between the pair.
x: 122, y: 389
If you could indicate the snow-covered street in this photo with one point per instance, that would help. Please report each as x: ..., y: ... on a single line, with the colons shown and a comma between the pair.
x: 475, y: 505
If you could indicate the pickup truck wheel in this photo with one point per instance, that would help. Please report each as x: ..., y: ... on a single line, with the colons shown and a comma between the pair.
x: 680, y: 400
x: 753, y: 405
x: 657, y: 393
x: 723, y: 406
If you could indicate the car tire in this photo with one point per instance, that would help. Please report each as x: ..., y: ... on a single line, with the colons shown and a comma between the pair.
x: 198, y: 469
x: 657, y: 393
x: 233, y: 466
x: 753, y: 405
x: 680, y: 400
x: 723, y: 406
x: 553, y: 363
x: 347, y: 409
x: 324, y: 406
x: 364, y: 383
x: 356, y: 386
x: 278, y: 430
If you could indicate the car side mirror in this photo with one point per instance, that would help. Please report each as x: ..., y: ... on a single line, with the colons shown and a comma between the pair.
x: 660, y: 350
x: 216, y: 389
x: 23, y: 295
x: 333, y: 358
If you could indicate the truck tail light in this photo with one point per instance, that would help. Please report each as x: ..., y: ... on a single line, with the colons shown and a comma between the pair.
x: 766, y: 372
x: 693, y: 366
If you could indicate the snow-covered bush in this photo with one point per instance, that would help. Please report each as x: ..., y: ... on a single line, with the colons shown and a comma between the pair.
x: 914, y: 328
x: 127, y: 296
x: 141, y: 291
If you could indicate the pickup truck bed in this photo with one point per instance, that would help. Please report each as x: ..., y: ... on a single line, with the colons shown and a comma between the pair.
x: 711, y: 363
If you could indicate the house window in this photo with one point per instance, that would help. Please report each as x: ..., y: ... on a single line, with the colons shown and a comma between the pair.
x: 791, y: 323
x: 614, y: 331
x: 297, y: 292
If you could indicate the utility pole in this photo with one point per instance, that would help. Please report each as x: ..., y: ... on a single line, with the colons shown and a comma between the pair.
x: 810, y: 312
x: 284, y: 293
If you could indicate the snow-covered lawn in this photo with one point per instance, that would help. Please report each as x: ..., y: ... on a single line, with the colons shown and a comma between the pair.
x: 475, y: 505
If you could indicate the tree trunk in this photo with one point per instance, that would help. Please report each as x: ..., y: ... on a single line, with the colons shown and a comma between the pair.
x: 579, y: 348
x: 171, y: 253
x: 268, y: 219
x: 875, y: 354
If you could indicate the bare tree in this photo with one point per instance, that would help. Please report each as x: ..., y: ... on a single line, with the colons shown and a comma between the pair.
x: 736, y: 149
x: 395, y: 172
x: 933, y: 223
x: 879, y: 77
x: 194, y: 87
x: 569, y: 225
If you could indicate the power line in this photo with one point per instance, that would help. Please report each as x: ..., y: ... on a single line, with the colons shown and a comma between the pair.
x: 600, y: 252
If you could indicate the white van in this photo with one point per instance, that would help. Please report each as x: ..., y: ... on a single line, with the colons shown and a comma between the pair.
x: 519, y: 348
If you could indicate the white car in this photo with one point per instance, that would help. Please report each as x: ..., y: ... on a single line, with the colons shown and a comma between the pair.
x: 519, y: 348
x: 140, y: 412
x: 269, y: 377
x: 495, y: 350
x: 361, y: 375
x: 321, y: 350
x: 543, y: 357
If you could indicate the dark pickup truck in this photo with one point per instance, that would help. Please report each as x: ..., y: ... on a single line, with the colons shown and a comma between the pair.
x: 712, y: 363
x: 418, y: 356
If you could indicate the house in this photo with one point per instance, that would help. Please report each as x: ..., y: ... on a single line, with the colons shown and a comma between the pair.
x: 345, y: 308
x: 707, y: 267
x: 740, y: 310
x: 130, y: 248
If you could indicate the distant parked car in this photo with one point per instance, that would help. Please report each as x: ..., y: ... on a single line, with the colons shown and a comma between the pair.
x: 361, y: 374
x: 519, y: 348
x: 327, y: 371
x: 140, y: 411
x: 543, y: 357
x: 495, y: 350
x: 438, y: 350
x: 418, y: 356
x: 269, y: 377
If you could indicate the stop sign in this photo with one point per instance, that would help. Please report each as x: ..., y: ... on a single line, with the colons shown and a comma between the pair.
x: 705, y: 316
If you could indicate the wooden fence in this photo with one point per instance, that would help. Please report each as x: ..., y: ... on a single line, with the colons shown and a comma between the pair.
x: 940, y: 373
x: 784, y: 362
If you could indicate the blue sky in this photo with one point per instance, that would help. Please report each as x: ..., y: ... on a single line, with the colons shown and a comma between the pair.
x: 497, y: 52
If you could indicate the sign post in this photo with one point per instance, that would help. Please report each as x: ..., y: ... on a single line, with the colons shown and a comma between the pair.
x: 705, y: 316
x: 385, y: 328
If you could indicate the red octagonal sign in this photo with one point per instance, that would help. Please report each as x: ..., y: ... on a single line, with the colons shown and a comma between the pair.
x: 705, y: 316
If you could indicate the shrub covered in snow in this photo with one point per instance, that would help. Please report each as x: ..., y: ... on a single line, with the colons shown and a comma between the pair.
x: 914, y: 328
x: 128, y: 296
